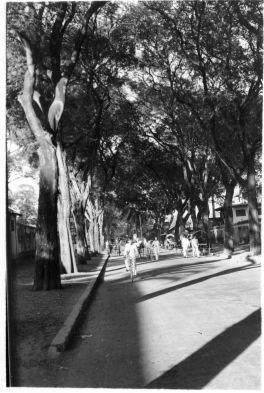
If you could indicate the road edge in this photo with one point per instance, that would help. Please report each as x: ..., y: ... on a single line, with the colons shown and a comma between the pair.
x: 62, y: 338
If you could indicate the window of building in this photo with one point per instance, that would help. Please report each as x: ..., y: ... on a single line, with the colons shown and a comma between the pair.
x: 259, y: 211
x: 241, y: 212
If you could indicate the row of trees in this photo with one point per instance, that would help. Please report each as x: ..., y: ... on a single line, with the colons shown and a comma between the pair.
x: 137, y: 111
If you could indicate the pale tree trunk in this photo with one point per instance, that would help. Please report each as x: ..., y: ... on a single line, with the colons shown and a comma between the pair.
x: 90, y: 219
x: 91, y: 235
x: 254, y: 227
x: 193, y: 216
x: 229, y: 184
x: 67, y: 256
x: 96, y: 237
x: 47, y: 268
x: 81, y: 241
x: 93, y: 213
x: 101, y: 236
x: 97, y: 224
x: 80, y: 193
x: 179, y: 227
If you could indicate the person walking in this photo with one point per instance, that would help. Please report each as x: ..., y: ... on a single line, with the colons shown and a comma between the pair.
x: 133, y: 254
x: 148, y: 249
x: 195, y: 247
x: 107, y: 249
x: 185, y: 245
x: 118, y: 247
x: 156, y: 248
x: 126, y: 253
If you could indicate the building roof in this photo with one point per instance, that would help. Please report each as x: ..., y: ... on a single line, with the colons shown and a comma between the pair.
x: 13, y: 211
x: 234, y: 205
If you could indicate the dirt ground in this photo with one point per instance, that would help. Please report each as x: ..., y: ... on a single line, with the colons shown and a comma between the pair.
x: 35, y: 318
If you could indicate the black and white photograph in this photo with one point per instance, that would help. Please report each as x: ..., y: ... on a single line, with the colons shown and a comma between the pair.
x: 133, y: 194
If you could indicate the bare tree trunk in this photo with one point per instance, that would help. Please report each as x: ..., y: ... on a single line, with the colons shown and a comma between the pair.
x: 67, y: 256
x: 81, y: 242
x: 179, y: 227
x: 101, y: 236
x: 193, y: 215
x: 254, y: 227
x: 96, y: 236
x: 79, y: 193
x: 228, y: 217
x: 91, y: 235
x: 47, y: 269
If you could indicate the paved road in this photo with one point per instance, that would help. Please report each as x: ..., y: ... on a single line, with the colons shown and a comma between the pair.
x: 183, y: 324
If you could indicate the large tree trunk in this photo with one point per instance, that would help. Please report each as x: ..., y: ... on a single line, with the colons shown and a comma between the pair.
x: 91, y: 236
x: 79, y: 192
x: 179, y: 227
x: 96, y: 237
x: 228, y: 218
x: 81, y: 241
x: 67, y: 256
x: 254, y: 227
x: 47, y: 270
x: 194, y: 217
x: 101, y: 236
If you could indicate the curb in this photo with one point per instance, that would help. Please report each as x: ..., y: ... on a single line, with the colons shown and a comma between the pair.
x: 62, y: 338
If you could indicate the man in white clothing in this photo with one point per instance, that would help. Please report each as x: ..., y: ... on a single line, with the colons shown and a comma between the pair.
x: 126, y: 253
x: 133, y: 254
x: 185, y: 245
x: 195, y: 247
x: 156, y: 248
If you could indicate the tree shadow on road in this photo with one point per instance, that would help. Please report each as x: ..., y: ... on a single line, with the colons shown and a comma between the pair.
x: 198, y: 280
x: 105, y: 349
x: 196, y: 371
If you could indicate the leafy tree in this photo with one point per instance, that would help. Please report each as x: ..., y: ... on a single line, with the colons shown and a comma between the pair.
x: 212, y: 74
x: 51, y: 57
x: 25, y: 201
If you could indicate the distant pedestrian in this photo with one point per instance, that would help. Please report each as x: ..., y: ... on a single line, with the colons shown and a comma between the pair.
x: 107, y: 249
x: 195, y: 247
x: 110, y: 247
x: 185, y: 245
x: 133, y: 254
x: 148, y: 249
x: 118, y: 247
x: 156, y: 248
x: 126, y: 253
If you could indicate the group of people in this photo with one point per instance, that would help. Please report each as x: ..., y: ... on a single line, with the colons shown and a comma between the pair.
x: 133, y: 249
x: 113, y: 245
x: 151, y: 249
x: 186, y: 242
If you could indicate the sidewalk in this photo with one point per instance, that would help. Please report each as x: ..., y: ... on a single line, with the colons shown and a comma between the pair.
x: 37, y: 316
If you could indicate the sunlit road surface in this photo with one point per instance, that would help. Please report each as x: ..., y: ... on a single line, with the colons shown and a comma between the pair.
x: 183, y: 324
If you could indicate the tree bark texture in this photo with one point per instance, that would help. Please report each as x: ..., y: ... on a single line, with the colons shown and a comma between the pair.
x: 47, y: 272
x: 101, y: 236
x: 81, y: 242
x: 67, y: 256
x: 179, y: 227
x: 228, y: 218
x: 254, y: 227
x: 47, y: 269
x: 79, y: 194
